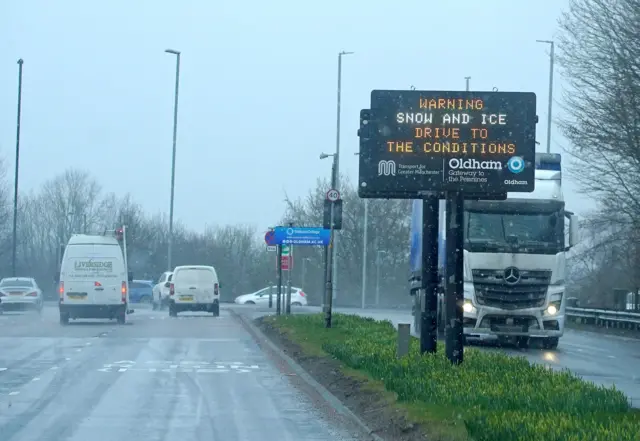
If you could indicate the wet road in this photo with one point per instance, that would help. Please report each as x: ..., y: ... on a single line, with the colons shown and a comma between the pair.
x: 189, y: 378
x: 603, y: 359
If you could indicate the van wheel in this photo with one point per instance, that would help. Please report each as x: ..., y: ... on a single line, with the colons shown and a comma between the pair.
x: 296, y: 304
x: 172, y: 311
x: 64, y: 318
x: 215, y: 308
x: 122, y: 317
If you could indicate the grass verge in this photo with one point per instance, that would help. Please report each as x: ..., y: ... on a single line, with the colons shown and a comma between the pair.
x: 490, y: 397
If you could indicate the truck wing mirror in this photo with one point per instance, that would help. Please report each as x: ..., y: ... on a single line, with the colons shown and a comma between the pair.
x: 574, y: 231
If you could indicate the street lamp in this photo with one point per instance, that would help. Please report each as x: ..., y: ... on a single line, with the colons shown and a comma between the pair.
x: 173, y: 156
x: 551, y: 60
x: 15, y: 184
x: 337, y: 165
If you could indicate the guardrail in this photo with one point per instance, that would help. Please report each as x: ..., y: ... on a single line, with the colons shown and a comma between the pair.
x: 604, y: 317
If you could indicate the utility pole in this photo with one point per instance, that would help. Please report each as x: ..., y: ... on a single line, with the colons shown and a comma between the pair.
x: 550, y: 105
x: 334, y: 240
x: 14, y: 249
x: 173, y: 158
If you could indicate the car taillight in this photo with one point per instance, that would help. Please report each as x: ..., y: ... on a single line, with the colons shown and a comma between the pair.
x: 32, y: 294
x: 61, y: 291
x: 123, y: 290
x: 302, y: 294
x: 97, y: 284
x: 215, y: 289
x: 171, y: 289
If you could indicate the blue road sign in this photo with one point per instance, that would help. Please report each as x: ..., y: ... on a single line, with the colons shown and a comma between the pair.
x: 301, y: 236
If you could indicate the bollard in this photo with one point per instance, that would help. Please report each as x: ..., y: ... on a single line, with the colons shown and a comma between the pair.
x: 404, y: 335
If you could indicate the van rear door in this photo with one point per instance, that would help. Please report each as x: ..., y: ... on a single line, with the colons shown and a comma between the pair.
x: 194, y: 285
x: 94, y: 274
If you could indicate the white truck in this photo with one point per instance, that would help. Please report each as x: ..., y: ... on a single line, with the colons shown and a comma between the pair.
x: 514, y: 261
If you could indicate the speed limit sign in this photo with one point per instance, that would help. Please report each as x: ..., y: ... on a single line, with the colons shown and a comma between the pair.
x: 333, y: 195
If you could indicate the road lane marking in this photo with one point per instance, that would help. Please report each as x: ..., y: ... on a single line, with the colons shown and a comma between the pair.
x: 3, y: 369
x: 14, y: 393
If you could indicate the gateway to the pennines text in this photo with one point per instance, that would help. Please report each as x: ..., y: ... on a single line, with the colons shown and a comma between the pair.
x: 424, y: 141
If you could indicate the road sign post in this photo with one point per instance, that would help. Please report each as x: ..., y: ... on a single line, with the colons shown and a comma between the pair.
x: 287, y: 307
x: 279, y: 292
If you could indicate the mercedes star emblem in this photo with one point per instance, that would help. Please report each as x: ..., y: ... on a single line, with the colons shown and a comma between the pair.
x: 512, y: 275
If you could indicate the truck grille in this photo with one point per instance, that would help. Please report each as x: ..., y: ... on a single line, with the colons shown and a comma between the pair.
x: 529, y: 292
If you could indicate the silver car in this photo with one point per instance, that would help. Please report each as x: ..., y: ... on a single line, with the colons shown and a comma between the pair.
x: 20, y: 294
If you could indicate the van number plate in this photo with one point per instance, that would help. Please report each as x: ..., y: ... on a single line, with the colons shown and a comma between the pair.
x: 189, y: 298
x: 77, y: 295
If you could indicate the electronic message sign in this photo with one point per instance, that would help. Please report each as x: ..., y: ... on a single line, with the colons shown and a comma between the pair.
x: 414, y: 143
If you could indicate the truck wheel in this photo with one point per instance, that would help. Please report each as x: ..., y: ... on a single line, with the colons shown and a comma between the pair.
x: 122, y: 317
x: 64, y: 318
x: 522, y: 342
x: 551, y: 342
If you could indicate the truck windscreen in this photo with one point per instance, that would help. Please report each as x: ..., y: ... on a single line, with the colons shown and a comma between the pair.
x: 533, y: 233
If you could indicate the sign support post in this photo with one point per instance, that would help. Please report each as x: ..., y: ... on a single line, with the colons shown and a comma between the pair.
x: 429, y: 295
x: 329, y: 286
x: 279, y: 292
x: 454, y: 283
x: 287, y: 307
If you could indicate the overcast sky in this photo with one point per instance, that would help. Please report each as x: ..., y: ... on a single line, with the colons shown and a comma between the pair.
x: 257, y: 88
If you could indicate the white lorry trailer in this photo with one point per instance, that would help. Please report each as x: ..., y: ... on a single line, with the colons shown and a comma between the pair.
x: 514, y: 261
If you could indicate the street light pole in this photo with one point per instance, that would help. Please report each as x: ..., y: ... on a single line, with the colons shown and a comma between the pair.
x: 173, y: 157
x: 15, y: 184
x: 334, y: 248
x: 551, y: 61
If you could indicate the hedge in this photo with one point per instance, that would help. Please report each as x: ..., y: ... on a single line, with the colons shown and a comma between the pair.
x: 499, y: 398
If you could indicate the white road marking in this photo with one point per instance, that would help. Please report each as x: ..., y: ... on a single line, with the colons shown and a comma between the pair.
x: 36, y: 379
x: 3, y: 369
x: 14, y: 393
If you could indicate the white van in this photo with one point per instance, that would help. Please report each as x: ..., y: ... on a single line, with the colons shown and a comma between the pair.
x: 93, y: 280
x: 194, y: 288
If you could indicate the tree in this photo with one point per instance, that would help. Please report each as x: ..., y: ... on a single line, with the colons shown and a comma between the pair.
x: 600, y: 55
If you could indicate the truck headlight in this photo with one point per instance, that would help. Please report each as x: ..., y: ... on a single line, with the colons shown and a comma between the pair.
x: 553, y: 308
x: 468, y: 307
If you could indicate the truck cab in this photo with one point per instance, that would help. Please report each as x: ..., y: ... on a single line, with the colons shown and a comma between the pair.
x: 515, y: 261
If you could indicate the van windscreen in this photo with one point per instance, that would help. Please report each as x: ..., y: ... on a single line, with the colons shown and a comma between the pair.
x: 195, y: 276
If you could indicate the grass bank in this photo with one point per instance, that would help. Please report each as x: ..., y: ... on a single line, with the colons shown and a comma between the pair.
x: 490, y: 397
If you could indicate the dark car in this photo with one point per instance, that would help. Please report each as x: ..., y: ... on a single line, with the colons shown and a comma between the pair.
x: 141, y: 291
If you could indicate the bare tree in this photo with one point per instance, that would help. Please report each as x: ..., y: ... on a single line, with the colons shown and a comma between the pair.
x: 600, y: 56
